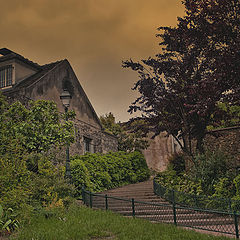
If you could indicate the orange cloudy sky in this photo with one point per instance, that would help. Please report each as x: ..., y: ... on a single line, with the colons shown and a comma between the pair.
x: 94, y: 35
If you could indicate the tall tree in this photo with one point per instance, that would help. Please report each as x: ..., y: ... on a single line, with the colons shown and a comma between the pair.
x: 198, y: 67
x: 130, y: 137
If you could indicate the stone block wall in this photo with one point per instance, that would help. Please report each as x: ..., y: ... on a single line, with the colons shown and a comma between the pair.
x: 101, y: 142
x: 226, y: 140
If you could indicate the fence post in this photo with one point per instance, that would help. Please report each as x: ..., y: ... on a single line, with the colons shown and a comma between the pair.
x: 83, y: 195
x: 133, y: 208
x: 230, y: 204
x: 173, y: 196
x: 154, y: 186
x: 174, y: 208
x: 236, y: 224
x: 196, y: 200
x: 90, y: 195
x: 106, y: 202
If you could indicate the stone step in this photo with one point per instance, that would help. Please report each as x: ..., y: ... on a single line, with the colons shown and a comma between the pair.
x: 137, y: 207
x: 129, y: 202
x: 127, y: 199
x: 190, y: 222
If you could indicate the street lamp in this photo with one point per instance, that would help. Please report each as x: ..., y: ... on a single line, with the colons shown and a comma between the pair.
x: 65, y: 98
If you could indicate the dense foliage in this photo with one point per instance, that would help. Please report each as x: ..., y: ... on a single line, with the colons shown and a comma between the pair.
x: 32, y: 170
x: 31, y: 173
x: 230, y: 116
x: 197, y: 67
x: 130, y: 137
x: 213, y: 178
x: 104, y: 171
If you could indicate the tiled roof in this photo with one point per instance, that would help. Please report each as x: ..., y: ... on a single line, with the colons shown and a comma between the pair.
x: 8, y: 54
x: 41, y: 70
x: 30, y: 80
x: 34, y: 78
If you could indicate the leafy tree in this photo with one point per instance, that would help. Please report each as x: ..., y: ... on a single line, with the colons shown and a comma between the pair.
x: 198, y: 67
x: 130, y: 138
x: 36, y: 129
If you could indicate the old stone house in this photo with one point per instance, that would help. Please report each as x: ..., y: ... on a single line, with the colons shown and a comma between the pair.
x: 24, y: 80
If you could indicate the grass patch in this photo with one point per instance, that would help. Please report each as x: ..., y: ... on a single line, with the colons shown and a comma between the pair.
x: 84, y: 223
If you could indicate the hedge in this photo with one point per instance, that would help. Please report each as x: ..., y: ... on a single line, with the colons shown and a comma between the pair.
x: 98, y: 172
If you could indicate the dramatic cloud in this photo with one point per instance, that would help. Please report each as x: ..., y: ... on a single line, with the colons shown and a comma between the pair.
x: 94, y: 35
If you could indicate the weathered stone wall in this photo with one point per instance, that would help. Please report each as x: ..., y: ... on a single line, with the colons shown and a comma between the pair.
x: 101, y: 142
x: 159, y: 150
x: 226, y: 140
x: 162, y: 147
x: 109, y: 143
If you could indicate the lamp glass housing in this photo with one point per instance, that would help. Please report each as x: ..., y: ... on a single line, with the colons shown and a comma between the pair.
x: 65, y: 98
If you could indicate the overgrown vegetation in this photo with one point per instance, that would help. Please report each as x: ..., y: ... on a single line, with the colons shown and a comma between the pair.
x: 84, y: 223
x: 211, y: 177
x: 32, y: 175
x: 104, y: 171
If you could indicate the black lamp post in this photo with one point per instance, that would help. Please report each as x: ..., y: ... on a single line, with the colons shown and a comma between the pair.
x: 65, y: 98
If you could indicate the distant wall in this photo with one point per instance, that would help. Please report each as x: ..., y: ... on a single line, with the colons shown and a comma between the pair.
x: 159, y: 150
x: 162, y: 147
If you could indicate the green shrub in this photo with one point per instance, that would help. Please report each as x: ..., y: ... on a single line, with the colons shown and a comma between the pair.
x: 177, y: 162
x: 80, y: 175
x: 104, y: 171
x: 210, y: 167
x: 25, y: 190
x: 211, y: 182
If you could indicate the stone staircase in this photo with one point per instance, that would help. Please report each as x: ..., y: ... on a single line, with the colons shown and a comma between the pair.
x: 149, y: 206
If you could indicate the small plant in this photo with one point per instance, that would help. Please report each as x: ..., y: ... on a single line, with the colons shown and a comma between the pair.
x: 8, y: 221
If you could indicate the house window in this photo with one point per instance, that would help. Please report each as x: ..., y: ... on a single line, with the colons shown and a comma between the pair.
x: 88, y: 146
x: 6, y: 76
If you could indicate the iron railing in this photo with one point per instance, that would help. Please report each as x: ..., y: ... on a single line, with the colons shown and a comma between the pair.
x: 196, y: 201
x: 210, y: 220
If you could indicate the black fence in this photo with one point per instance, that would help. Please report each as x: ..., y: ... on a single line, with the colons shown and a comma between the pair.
x: 210, y: 220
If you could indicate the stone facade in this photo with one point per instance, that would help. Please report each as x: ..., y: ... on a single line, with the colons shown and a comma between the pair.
x: 226, y: 140
x: 34, y: 82
x: 100, y: 141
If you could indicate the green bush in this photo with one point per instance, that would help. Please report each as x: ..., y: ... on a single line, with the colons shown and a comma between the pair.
x: 209, y: 183
x: 210, y: 167
x: 177, y: 162
x: 104, y: 171
x: 25, y: 190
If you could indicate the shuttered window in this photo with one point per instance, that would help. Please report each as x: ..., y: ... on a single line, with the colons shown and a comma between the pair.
x: 88, y: 146
x: 6, y: 74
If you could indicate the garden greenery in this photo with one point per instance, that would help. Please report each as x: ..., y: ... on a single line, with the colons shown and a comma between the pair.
x: 212, y: 176
x: 98, y: 172
x: 32, y: 165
